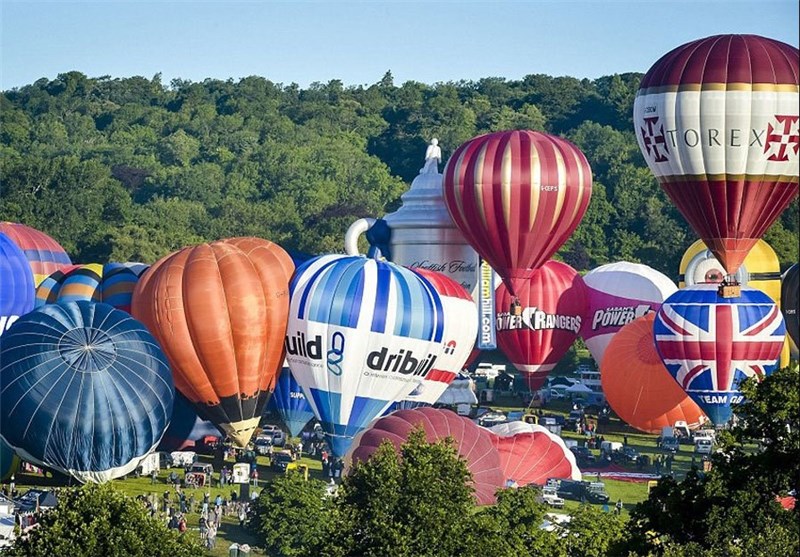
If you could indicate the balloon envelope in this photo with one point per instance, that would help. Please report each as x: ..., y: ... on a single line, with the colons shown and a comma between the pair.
x: 460, y: 332
x: 531, y: 454
x: 553, y: 303
x: 9, y: 461
x: 110, y: 283
x: 219, y: 310
x: 16, y: 283
x: 44, y: 254
x: 517, y: 196
x: 617, y: 294
x: 185, y: 427
x: 638, y: 387
x: 290, y: 402
x: 709, y: 344
x: 362, y: 334
x: 84, y: 389
x: 473, y: 443
x: 717, y: 121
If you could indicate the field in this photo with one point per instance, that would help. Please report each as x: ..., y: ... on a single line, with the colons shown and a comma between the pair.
x: 230, y: 532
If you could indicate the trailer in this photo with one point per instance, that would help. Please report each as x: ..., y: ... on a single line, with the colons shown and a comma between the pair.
x: 148, y: 464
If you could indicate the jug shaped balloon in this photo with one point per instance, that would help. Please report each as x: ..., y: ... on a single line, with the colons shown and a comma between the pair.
x: 362, y: 334
x: 517, y: 196
x: 219, y: 311
x: 552, y: 303
x: 717, y: 122
x: 709, y: 343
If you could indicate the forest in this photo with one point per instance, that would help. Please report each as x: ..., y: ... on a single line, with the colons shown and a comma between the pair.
x: 131, y: 169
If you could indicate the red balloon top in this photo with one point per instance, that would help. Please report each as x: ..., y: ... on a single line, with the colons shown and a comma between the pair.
x: 444, y: 285
x: 517, y: 196
x: 44, y: 254
x: 725, y: 59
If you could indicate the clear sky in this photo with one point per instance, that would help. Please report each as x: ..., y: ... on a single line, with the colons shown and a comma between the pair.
x: 357, y: 42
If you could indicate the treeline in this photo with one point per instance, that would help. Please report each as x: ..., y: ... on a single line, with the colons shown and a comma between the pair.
x: 131, y: 169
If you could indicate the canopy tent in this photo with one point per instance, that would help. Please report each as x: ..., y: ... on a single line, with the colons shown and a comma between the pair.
x: 579, y: 388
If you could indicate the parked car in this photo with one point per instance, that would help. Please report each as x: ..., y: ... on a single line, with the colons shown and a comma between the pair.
x: 626, y: 455
x: 593, y: 492
x: 583, y: 455
x: 278, y: 439
x: 703, y: 446
x: 281, y: 460
x: 268, y: 430
x: 492, y: 418
x: 262, y: 444
x: 550, y: 497
x: 670, y: 444
x: 199, y: 474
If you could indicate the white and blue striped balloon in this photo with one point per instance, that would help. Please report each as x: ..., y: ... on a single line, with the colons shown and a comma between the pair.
x: 361, y: 335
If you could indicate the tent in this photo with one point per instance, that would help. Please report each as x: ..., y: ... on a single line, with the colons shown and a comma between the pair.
x: 28, y: 502
x: 460, y: 391
x: 579, y: 388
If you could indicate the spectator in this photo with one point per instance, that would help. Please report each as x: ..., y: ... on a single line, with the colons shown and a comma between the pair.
x: 618, y: 507
x: 153, y: 476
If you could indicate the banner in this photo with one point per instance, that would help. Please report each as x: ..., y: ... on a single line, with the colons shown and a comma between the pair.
x: 487, y: 337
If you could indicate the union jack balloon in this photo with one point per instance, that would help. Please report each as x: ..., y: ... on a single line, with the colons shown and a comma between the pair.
x: 710, y: 344
x: 717, y: 122
x: 517, y: 196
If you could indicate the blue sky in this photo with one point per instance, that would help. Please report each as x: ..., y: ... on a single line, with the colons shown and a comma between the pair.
x: 357, y: 42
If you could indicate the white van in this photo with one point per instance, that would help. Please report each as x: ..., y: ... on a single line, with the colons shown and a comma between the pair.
x: 703, y: 446
x: 610, y: 446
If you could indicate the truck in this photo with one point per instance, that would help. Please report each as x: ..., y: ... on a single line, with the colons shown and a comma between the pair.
x: 576, y: 490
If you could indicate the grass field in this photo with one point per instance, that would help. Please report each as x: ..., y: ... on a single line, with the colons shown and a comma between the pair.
x: 230, y: 532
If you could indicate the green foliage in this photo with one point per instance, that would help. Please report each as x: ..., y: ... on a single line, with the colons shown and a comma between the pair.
x: 292, y: 516
x: 98, y: 520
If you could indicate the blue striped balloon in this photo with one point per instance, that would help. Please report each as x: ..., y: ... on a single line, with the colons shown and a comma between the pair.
x: 17, y: 289
x: 84, y: 389
x: 362, y: 333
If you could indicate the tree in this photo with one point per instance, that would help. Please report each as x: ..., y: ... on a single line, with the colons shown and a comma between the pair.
x: 99, y: 520
x: 416, y: 503
x: 292, y: 516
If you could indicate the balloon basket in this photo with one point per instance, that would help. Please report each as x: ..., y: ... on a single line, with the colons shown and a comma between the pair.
x: 729, y: 289
x: 516, y: 308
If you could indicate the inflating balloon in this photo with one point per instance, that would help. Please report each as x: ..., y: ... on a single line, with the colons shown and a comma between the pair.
x: 790, y: 300
x: 473, y: 444
x: 44, y: 254
x: 717, y: 121
x: 517, y: 196
x: 290, y: 402
x: 110, y: 283
x: 185, y: 427
x: 617, y: 294
x: 552, y: 306
x: 219, y: 310
x: 84, y: 389
x: 531, y: 454
x: 9, y: 461
x: 638, y: 387
x: 362, y: 334
x: 460, y: 330
x: 709, y: 344
x: 16, y: 283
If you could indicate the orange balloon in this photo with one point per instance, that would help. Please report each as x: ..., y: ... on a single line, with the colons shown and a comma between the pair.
x: 637, y: 385
x: 219, y: 311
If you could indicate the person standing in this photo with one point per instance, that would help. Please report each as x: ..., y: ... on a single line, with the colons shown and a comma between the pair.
x: 618, y: 507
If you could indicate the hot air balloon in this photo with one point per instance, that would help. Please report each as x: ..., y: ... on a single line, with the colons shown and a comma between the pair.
x: 110, y: 283
x: 185, y: 427
x: 9, y: 461
x: 709, y: 343
x: 460, y: 330
x: 44, y: 254
x: 16, y: 283
x: 553, y: 303
x: 84, y: 389
x: 517, y: 196
x: 219, y: 310
x: 362, y: 334
x: 790, y: 294
x: 617, y: 294
x: 717, y: 121
x: 473, y: 444
x: 638, y: 387
x: 530, y: 454
x: 290, y: 402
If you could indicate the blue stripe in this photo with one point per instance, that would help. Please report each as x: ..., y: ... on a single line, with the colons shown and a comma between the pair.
x: 309, y: 287
x: 406, y: 303
x: 340, y: 435
x: 381, y: 298
x: 356, y: 292
x: 344, y: 307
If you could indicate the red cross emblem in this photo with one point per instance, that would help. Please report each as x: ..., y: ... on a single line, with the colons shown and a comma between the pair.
x: 782, y: 137
x: 654, y: 139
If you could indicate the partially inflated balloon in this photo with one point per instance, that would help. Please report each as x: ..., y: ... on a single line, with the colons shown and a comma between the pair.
x: 517, y: 196
x: 530, y: 454
x: 84, y: 389
x: 16, y: 283
x: 110, y: 283
x: 362, y: 334
x: 717, y: 121
x: 553, y: 303
x: 473, y: 443
x: 460, y: 330
x: 9, y: 461
x: 709, y: 344
x: 638, y: 387
x: 290, y: 401
x: 44, y: 254
x: 219, y: 310
x: 185, y: 427
x: 790, y: 304
x: 617, y: 294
